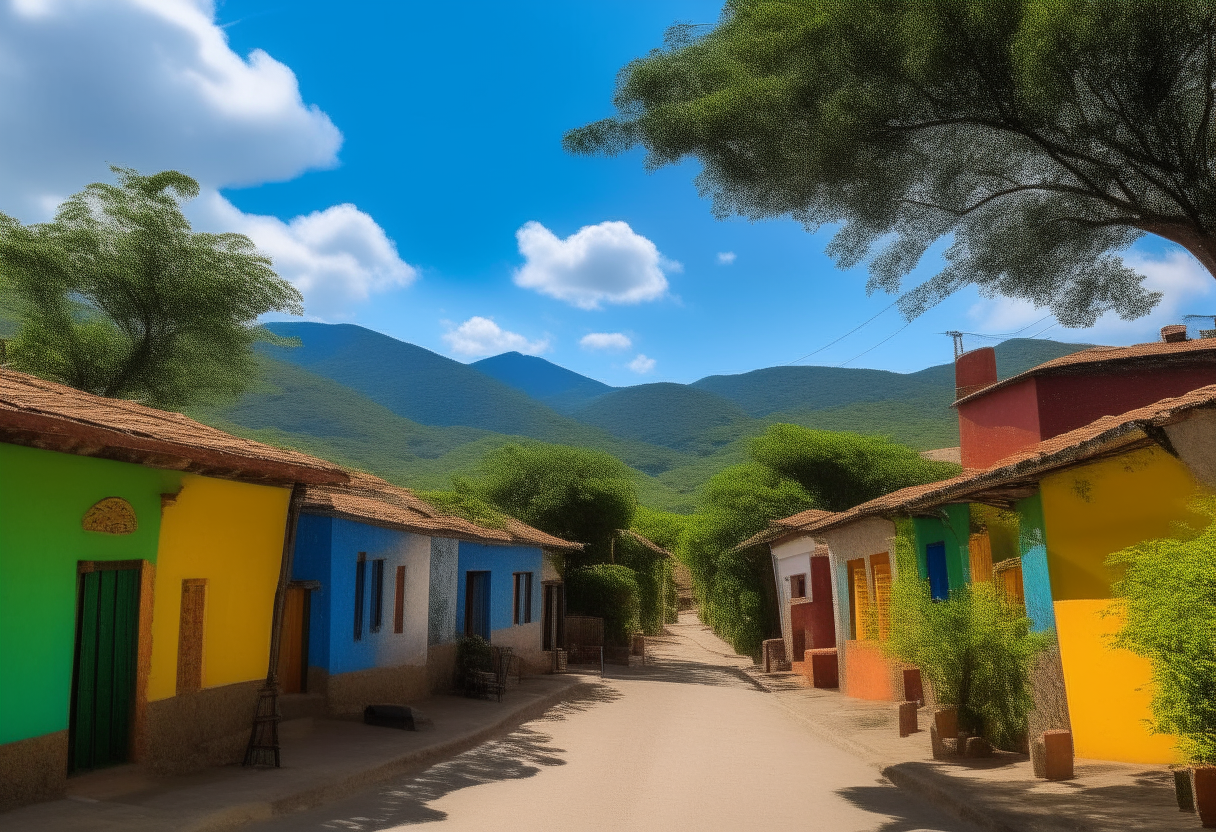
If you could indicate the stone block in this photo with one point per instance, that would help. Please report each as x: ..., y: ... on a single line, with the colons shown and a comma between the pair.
x: 1038, y: 757
x: 907, y: 719
x: 1057, y: 755
x: 978, y: 747
x: 824, y: 667
x: 914, y: 689
x: 946, y: 720
x: 944, y: 748
x: 1184, y: 792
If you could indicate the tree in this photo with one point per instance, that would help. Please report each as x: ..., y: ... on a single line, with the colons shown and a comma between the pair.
x: 574, y: 493
x: 1041, y: 137
x: 841, y: 470
x: 119, y: 297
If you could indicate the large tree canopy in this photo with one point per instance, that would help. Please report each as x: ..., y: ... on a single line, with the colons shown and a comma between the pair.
x: 119, y: 297
x: 1041, y: 137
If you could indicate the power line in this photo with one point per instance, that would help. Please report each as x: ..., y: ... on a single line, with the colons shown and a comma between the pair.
x: 846, y: 335
x: 999, y: 335
x: 879, y: 344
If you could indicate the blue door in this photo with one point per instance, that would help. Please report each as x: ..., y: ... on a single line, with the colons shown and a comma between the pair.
x: 477, y: 604
x: 939, y: 580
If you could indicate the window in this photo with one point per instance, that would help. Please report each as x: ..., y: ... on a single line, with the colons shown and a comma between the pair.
x: 880, y: 567
x: 797, y: 586
x: 523, y: 598
x: 859, y: 596
x: 377, y: 595
x: 399, y: 607
x: 190, y: 635
x: 360, y: 581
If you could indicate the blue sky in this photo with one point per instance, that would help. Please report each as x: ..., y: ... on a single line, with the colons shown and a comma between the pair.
x: 402, y: 164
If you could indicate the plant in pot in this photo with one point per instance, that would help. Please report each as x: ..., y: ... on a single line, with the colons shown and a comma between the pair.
x: 976, y: 650
x: 1167, y: 599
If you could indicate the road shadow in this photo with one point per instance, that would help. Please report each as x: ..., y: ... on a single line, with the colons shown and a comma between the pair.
x: 521, y: 753
x: 683, y: 672
x: 903, y: 814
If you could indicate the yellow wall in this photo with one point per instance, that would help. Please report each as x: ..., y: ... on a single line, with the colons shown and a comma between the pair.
x: 1091, y: 511
x: 231, y: 534
x: 1109, y: 691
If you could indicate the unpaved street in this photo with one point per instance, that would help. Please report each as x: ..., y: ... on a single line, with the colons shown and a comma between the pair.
x: 689, y: 743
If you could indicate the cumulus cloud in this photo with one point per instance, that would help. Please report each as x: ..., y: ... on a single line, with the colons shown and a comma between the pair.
x: 336, y: 257
x: 481, y: 336
x: 605, y: 263
x: 153, y: 84
x: 725, y: 258
x: 150, y: 84
x: 1178, y: 276
x: 605, y: 341
x: 641, y: 364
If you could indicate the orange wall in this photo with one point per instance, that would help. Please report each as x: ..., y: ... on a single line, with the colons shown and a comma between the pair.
x: 867, y: 671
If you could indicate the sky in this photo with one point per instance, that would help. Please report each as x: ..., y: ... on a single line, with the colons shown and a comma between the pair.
x: 401, y: 163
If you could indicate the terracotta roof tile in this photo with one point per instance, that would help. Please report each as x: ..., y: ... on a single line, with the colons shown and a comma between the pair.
x: 645, y: 541
x: 1202, y: 349
x: 43, y: 414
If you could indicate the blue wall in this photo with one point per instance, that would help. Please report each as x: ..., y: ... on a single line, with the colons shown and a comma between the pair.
x: 501, y: 562
x: 1032, y: 546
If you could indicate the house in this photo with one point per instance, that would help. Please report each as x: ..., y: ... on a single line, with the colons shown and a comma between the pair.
x: 1074, y: 499
x: 998, y: 418
x: 140, y: 554
x: 373, y: 607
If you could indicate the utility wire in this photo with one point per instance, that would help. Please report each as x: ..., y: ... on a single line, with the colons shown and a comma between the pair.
x: 879, y: 344
x: 999, y: 335
x: 846, y: 335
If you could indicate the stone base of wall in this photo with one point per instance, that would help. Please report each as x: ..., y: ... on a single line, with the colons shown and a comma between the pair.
x: 33, y: 769
x: 350, y: 693
x: 209, y: 727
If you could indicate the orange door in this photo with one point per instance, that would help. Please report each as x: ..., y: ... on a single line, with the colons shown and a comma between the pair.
x: 293, y: 643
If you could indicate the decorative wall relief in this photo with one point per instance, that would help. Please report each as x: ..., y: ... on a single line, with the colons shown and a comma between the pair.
x: 113, y: 515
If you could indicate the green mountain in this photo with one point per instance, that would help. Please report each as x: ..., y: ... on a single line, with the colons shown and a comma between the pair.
x: 673, y: 415
x: 561, y: 389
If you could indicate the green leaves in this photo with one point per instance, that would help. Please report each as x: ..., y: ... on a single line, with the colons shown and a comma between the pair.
x: 1040, y: 138
x: 608, y: 591
x: 1168, y: 598
x: 119, y: 297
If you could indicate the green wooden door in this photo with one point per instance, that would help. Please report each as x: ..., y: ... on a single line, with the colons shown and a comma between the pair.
x: 103, y: 692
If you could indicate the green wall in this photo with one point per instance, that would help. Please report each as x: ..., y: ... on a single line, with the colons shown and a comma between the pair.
x: 43, y: 498
x: 954, y: 530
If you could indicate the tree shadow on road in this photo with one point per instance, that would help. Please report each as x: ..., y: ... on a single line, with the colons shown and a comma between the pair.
x: 520, y: 754
x: 903, y: 814
x: 687, y: 673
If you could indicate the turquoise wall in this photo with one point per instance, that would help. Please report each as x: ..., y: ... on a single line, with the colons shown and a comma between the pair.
x: 1032, y: 546
x: 43, y: 498
x: 954, y: 529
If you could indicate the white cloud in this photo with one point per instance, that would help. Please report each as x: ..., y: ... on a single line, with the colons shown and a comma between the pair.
x: 336, y: 258
x: 605, y: 263
x: 481, y: 336
x: 153, y: 84
x: 1184, y: 284
x: 641, y: 364
x: 150, y: 84
x: 605, y: 341
x: 725, y: 258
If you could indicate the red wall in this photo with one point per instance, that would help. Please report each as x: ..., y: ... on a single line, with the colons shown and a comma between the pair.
x: 998, y: 424
x: 1070, y: 402
x: 815, y: 615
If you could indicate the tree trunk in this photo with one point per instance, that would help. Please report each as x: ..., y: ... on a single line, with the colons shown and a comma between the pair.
x: 1201, y: 245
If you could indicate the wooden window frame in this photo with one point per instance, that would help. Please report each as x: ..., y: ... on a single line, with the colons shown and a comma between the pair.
x: 521, y: 606
x: 399, y: 602
x: 882, y: 606
x: 191, y: 663
x: 799, y: 581
x: 360, y: 586
x: 856, y: 621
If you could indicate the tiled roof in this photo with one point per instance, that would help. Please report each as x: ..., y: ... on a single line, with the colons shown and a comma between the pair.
x: 1110, y: 433
x: 371, y: 499
x: 1202, y: 349
x: 43, y: 414
x: 782, y: 527
x: 645, y: 541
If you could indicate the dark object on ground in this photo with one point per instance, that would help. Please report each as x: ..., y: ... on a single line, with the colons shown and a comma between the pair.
x: 389, y: 716
x: 978, y: 747
x: 1182, y: 788
x: 907, y: 719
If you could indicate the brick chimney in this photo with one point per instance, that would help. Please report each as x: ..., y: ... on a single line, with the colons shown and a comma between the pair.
x: 974, y: 371
x: 1173, y: 333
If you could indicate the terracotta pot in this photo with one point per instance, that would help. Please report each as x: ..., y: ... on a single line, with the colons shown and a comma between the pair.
x: 946, y: 720
x: 1203, y: 785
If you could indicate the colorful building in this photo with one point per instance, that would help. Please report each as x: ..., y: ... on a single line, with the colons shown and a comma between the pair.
x: 140, y: 553
x: 375, y: 606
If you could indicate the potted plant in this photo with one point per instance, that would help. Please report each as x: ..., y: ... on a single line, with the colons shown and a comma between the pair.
x: 1167, y: 598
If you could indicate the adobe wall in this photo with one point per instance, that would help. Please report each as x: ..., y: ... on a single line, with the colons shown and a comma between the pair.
x: 34, y: 769
x: 1067, y: 402
x: 997, y: 424
x: 350, y: 693
x: 209, y: 727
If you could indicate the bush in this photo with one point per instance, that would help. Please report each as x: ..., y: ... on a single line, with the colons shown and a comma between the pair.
x: 608, y: 591
x: 472, y: 654
x: 1168, y: 595
x: 653, y: 574
x: 975, y: 649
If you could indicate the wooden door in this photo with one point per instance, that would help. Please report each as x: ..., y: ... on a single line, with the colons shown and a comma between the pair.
x: 477, y: 604
x: 979, y: 550
x: 103, y: 688
x: 293, y: 641
x: 939, y: 577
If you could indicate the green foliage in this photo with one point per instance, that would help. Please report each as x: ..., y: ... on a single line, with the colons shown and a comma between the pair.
x: 653, y: 574
x: 472, y: 654
x: 608, y: 591
x: 664, y: 528
x: 573, y: 493
x: 1168, y: 594
x: 975, y: 649
x: 1041, y: 137
x: 464, y: 503
x: 119, y: 297
x: 841, y: 470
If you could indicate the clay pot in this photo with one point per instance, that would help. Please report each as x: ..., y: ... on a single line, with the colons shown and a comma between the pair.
x: 1203, y: 785
x: 946, y: 720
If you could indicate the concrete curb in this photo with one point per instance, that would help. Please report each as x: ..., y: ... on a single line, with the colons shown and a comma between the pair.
x: 313, y: 796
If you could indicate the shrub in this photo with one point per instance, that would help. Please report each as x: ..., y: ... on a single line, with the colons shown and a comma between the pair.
x: 472, y: 653
x: 653, y: 574
x: 608, y: 591
x: 975, y: 649
x: 1168, y: 597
